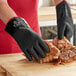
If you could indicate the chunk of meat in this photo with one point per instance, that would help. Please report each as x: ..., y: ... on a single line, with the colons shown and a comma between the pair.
x: 61, y: 51
x: 62, y: 44
x: 53, y: 54
x: 68, y: 55
x: 67, y: 51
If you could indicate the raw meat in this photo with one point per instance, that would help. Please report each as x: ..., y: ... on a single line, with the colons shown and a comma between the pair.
x: 61, y: 51
x: 54, y: 53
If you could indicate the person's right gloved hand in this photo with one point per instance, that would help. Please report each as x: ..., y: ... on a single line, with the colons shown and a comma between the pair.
x: 29, y: 41
x: 64, y: 20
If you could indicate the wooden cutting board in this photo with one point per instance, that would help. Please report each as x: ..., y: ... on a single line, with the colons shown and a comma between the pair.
x: 2, y: 72
x: 17, y: 65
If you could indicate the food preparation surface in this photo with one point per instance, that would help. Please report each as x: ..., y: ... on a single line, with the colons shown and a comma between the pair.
x: 17, y: 65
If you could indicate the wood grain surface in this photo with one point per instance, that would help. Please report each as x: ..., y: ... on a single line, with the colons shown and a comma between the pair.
x: 19, y: 66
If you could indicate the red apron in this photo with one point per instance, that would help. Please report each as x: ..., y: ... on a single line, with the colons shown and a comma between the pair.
x: 28, y: 9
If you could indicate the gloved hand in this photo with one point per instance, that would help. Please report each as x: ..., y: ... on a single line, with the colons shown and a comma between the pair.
x: 64, y: 20
x: 29, y: 41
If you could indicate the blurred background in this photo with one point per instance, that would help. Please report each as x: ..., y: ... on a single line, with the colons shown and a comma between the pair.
x: 43, y: 3
x: 47, y: 19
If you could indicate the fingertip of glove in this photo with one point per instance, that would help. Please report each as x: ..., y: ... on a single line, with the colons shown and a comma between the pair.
x: 48, y: 50
x: 60, y: 37
x: 43, y: 56
x: 37, y: 59
x: 30, y: 59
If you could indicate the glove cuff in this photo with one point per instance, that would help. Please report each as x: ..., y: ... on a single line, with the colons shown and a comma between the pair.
x: 62, y: 2
x: 16, y: 23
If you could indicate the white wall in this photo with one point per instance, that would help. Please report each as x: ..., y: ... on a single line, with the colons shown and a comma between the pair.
x: 73, y: 1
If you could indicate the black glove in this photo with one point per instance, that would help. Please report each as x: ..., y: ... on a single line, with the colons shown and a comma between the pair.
x: 64, y: 20
x: 28, y: 40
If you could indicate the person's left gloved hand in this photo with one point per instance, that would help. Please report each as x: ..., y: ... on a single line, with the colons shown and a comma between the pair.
x: 64, y: 20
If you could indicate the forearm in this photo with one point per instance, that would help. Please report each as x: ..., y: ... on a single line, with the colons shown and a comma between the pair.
x: 6, y: 12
